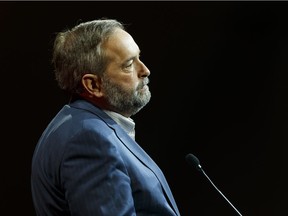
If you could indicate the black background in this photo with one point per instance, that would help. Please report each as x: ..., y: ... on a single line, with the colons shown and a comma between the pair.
x: 219, y: 90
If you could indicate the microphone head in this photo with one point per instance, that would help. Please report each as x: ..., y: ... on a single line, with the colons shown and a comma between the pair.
x: 193, y: 161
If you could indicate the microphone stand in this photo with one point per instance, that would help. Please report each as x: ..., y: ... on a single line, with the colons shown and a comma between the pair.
x: 220, y: 192
x: 193, y: 161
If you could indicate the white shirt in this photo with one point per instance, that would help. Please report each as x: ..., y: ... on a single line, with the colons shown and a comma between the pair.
x: 126, y: 123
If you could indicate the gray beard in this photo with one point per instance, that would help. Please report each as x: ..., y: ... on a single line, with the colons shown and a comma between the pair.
x: 123, y: 101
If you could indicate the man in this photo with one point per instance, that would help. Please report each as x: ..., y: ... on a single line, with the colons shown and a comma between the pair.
x: 87, y: 161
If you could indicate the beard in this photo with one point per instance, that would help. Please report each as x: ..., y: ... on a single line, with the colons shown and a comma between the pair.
x: 126, y: 101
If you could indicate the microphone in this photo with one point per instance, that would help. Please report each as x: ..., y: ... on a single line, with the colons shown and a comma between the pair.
x: 194, y: 162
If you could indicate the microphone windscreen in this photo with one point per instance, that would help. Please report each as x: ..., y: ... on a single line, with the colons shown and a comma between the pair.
x: 193, y: 161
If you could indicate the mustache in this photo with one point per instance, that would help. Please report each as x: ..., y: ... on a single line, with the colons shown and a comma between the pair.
x: 145, y: 81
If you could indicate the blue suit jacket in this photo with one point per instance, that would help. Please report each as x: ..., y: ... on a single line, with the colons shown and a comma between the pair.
x: 85, y: 164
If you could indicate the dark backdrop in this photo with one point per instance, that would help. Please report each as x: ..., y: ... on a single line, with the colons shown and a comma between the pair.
x: 219, y: 90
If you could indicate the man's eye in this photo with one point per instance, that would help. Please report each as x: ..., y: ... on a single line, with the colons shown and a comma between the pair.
x: 129, y: 65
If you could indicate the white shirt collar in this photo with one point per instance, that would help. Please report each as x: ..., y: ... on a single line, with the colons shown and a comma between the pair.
x: 127, y: 124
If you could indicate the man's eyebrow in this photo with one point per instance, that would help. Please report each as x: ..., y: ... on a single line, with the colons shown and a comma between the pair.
x: 133, y: 57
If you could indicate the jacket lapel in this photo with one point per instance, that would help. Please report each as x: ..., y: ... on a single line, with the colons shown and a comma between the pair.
x: 145, y: 159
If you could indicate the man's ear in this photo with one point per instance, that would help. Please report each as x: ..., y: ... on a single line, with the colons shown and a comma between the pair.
x: 92, y: 84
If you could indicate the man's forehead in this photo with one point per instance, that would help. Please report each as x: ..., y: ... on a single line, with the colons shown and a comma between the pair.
x: 121, y: 42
